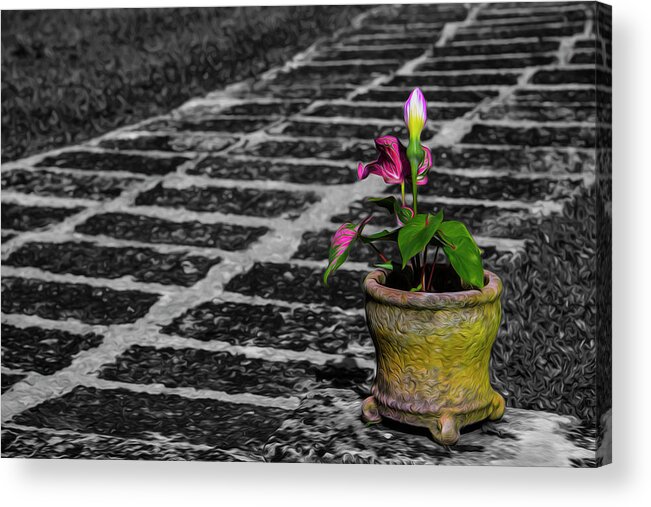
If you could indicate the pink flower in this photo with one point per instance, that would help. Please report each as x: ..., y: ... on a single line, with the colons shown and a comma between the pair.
x: 392, y: 163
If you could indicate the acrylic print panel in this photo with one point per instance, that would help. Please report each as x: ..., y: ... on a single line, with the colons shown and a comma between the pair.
x: 172, y: 199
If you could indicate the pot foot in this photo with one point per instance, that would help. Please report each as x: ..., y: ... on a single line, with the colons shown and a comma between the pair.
x: 445, y: 431
x: 370, y: 412
x: 498, y: 408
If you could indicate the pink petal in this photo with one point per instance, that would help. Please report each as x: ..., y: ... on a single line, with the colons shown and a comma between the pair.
x: 362, y: 171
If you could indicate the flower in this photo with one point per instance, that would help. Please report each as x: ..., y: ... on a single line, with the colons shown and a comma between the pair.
x: 392, y: 163
x: 340, y: 245
x: 415, y: 113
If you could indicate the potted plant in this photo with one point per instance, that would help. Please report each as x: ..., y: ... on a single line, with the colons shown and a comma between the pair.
x: 433, y: 324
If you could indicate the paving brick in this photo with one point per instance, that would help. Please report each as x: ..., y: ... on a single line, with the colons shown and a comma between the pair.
x: 330, y: 331
x: 588, y: 58
x: 142, y: 143
x: 423, y: 38
x: 75, y: 186
x: 89, y: 259
x: 342, y: 129
x: 582, y: 137
x: 604, y: 114
x: 300, y: 283
x: 571, y: 76
x: 60, y: 301
x: 386, y: 112
x: 559, y: 17
x: 222, y: 371
x: 44, y: 351
x: 8, y: 381
x: 41, y: 444
x: 512, y: 159
x: 219, y: 124
x: 91, y: 161
x: 536, y: 112
x: 122, y: 413
x: 369, y: 54
x: 193, y: 141
x: 585, y: 43
x: 497, y: 188
x: 560, y: 95
x: 484, y: 220
x: 329, y: 149
x: 241, y: 201
x: 269, y: 169
x: 340, y: 73
x: 281, y: 108
x: 397, y: 95
x: 541, y: 46
x: 519, y: 30
x: 156, y: 230
x: 454, y: 80
x: 498, y: 62
x: 27, y: 218
x: 310, y: 89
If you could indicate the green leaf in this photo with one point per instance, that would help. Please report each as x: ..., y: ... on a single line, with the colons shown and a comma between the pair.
x: 393, y: 206
x: 416, y: 289
x: 388, y: 203
x: 384, y: 235
x: 463, y: 252
x: 416, y: 234
x: 385, y: 265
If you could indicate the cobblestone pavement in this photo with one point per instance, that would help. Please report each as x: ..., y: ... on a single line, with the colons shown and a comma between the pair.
x: 161, y: 284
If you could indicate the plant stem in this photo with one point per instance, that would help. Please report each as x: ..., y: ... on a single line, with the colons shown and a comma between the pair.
x: 382, y: 257
x: 402, y: 192
x: 431, y: 273
x: 422, y: 270
x: 414, y: 267
x: 414, y: 192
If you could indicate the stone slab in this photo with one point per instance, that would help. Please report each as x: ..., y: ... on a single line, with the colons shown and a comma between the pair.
x: 327, y: 428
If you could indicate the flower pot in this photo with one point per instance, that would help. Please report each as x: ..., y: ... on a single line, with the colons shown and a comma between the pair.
x: 433, y: 352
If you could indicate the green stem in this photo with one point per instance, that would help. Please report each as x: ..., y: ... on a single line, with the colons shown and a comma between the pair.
x: 402, y: 192
x: 422, y: 270
x: 415, y: 156
x: 431, y: 273
x: 414, y: 187
x: 414, y: 268
x: 382, y: 257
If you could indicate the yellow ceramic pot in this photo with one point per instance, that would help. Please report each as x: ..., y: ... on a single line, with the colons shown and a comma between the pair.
x: 433, y: 352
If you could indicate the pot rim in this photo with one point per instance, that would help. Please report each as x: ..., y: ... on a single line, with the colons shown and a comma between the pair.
x: 374, y: 288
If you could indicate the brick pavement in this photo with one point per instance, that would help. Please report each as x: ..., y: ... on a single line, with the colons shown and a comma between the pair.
x: 161, y: 284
